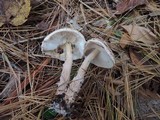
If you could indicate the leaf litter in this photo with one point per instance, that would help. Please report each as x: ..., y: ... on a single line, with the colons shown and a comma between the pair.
x: 124, y: 91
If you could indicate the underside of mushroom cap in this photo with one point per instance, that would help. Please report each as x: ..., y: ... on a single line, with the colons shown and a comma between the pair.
x: 105, y: 57
x: 59, y: 38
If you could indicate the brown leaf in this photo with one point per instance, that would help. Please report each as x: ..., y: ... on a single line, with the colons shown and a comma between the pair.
x: 36, y: 2
x: 148, y: 94
x: 141, y: 34
x: 10, y: 86
x: 135, y: 57
x: 42, y: 25
x: 125, y: 40
x: 14, y: 12
x: 1, y: 7
x: 125, y: 5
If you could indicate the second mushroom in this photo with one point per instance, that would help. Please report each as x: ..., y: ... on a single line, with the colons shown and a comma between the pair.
x: 96, y: 52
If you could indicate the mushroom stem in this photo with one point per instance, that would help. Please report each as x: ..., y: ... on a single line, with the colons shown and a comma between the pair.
x: 65, y: 75
x: 78, y: 80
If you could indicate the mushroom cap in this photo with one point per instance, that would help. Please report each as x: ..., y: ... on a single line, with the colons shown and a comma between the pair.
x: 105, y: 57
x: 59, y: 38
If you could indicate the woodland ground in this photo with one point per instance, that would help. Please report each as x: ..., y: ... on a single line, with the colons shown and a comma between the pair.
x: 128, y: 91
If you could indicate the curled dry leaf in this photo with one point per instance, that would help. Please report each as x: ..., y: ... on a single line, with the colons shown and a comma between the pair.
x: 141, y: 34
x: 42, y: 25
x: 125, y: 5
x: 14, y: 12
x: 149, y: 94
x: 135, y: 57
x: 36, y: 2
x: 125, y: 40
x: 10, y: 86
x: 2, y: 19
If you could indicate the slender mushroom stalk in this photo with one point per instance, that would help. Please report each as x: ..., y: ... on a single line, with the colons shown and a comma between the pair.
x: 78, y: 80
x: 97, y: 50
x: 65, y: 75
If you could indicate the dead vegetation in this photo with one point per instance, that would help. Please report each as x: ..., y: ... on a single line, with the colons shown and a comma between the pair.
x: 130, y: 90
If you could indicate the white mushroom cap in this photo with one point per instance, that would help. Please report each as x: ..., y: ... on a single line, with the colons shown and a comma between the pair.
x: 105, y: 58
x: 58, y: 39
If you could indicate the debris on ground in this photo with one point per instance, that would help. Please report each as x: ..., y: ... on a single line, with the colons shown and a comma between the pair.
x: 28, y: 78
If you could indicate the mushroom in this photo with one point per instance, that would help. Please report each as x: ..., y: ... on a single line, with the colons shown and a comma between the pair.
x: 96, y: 52
x: 71, y: 43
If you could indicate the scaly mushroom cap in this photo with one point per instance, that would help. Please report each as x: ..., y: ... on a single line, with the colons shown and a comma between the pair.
x: 105, y: 58
x: 59, y: 38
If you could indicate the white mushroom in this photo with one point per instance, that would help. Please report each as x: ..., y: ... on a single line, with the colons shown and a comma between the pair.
x: 96, y: 52
x: 71, y: 42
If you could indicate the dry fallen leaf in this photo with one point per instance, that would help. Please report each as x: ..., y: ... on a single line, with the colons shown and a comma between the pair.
x: 125, y: 40
x: 36, y: 2
x: 10, y: 86
x: 14, y: 12
x: 2, y: 20
x: 125, y: 5
x: 135, y: 57
x: 148, y: 93
x: 141, y: 34
x: 42, y: 25
x: 138, y: 58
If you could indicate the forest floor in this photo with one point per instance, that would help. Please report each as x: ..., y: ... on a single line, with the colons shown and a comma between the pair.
x: 128, y: 91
